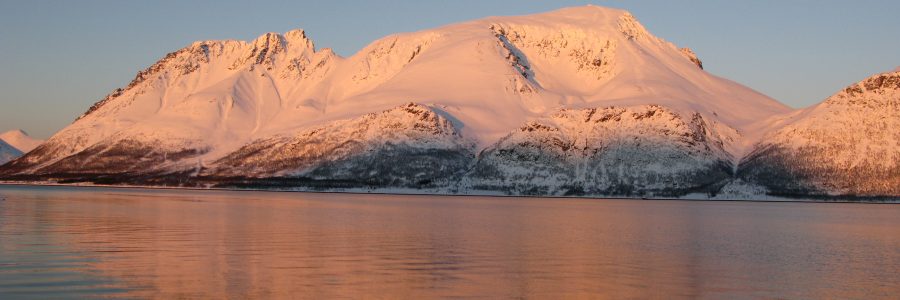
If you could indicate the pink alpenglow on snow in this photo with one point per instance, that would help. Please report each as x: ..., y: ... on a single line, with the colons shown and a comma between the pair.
x: 21, y: 140
x: 572, y: 99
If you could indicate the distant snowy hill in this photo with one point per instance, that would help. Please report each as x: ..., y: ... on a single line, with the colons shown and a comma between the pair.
x: 14, y: 143
x: 575, y: 101
x: 20, y: 140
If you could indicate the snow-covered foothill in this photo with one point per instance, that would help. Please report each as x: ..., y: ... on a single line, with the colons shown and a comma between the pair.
x: 847, y: 145
x: 646, y: 150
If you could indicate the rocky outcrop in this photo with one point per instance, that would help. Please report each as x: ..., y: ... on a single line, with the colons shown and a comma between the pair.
x: 689, y: 53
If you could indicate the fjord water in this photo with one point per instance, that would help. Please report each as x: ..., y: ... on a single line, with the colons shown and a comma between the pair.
x: 63, y: 242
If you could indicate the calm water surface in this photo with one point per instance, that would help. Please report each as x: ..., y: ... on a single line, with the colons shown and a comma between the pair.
x: 58, y: 242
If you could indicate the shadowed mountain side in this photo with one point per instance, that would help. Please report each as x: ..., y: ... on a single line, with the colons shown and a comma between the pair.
x: 644, y: 150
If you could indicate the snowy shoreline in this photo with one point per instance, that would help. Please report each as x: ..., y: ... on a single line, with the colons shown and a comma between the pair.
x: 418, y: 192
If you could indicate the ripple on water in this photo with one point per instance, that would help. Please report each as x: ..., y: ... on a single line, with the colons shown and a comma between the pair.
x: 58, y: 242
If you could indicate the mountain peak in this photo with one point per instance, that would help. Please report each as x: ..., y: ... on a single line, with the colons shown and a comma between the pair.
x: 594, y: 18
x: 274, y: 40
x: 264, y: 49
x: 589, y: 11
x: 298, y: 36
x: 14, y: 132
x: 630, y: 26
x: 582, y: 15
x: 269, y: 40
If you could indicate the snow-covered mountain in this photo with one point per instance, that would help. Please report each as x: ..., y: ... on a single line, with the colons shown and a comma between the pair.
x: 14, y: 143
x: 580, y: 100
x: 20, y: 140
x: 847, y: 145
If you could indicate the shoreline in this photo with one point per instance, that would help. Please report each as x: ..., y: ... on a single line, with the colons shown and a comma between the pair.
x: 411, y: 193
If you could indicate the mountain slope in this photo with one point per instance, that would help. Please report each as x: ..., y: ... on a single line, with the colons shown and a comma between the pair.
x: 847, y: 145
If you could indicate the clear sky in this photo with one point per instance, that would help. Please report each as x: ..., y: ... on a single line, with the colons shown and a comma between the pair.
x: 59, y: 57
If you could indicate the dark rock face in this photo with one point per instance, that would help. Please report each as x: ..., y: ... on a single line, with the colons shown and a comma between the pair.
x: 687, y: 52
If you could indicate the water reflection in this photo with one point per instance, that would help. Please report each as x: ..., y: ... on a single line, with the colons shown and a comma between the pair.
x: 58, y: 242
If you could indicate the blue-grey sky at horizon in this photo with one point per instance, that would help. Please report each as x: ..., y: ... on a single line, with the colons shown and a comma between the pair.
x: 59, y: 57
